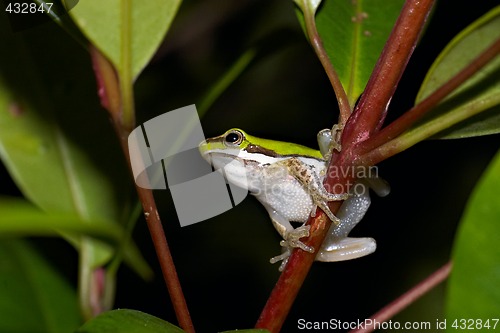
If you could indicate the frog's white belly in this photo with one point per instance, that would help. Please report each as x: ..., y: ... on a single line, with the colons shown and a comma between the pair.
x: 274, y: 186
x: 289, y: 200
x: 277, y: 189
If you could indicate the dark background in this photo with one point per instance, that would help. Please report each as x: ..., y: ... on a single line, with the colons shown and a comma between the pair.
x: 223, y: 263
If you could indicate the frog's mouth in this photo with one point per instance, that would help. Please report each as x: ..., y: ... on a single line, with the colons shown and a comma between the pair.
x: 219, y: 159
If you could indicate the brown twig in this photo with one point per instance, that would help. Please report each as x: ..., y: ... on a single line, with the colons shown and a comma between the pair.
x: 110, y: 96
x: 371, y: 110
x: 290, y: 281
x: 165, y: 259
x: 317, y: 44
x: 360, y: 126
x: 406, y: 299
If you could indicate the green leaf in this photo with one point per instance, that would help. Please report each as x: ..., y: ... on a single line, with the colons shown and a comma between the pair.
x: 35, y: 297
x: 127, y: 321
x: 480, y: 95
x: 108, y: 26
x: 48, y: 137
x: 473, y: 286
x: 56, y: 143
x: 354, y: 34
x: 21, y: 218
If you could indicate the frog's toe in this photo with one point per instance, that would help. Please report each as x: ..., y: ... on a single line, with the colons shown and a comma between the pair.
x: 347, y: 249
x: 282, y: 257
x: 292, y: 238
x: 297, y: 233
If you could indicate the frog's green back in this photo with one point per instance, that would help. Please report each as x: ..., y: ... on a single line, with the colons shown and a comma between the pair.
x: 284, y: 148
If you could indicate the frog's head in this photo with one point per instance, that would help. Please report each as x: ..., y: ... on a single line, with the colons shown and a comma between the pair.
x: 243, y: 156
x: 227, y: 152
x: 224, y: 148
x: 237, y: 144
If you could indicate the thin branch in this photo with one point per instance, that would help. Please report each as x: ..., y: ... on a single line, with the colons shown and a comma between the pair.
x: 406, y: 299
x: 412, y: 137
x: 127, y: 120
x: 317, y: 44
x: 109, y: 93
x: 389, y: 67
x: 409, y: 118
x: 371, y: 110
x: 291, y: 279
x: 165, y: 258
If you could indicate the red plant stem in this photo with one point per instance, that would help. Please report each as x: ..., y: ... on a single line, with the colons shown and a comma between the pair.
x: 406, y: 299
x: 362, y: 123
x: 165, y: 259
x: 370, y: 112
x: 109, y: 93
x: 418, y: 111
x: 284, y: 293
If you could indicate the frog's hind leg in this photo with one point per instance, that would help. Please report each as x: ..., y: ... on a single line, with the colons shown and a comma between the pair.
x: 337, y: 246
x: 347, y: 249
x: 291, y: 236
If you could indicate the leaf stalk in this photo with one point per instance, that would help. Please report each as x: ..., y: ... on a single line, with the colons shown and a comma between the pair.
x: 389, y: 140
x: 406, y: 299
x: 361, y: 124
x: 317, y: 44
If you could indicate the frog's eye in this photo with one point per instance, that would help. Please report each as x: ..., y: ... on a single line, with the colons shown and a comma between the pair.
x: 234, y: 137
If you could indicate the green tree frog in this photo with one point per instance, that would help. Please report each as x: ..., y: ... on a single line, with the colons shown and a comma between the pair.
x: 287, y: 179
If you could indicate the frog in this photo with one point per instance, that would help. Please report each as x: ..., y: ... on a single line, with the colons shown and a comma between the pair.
x: 287, y: 179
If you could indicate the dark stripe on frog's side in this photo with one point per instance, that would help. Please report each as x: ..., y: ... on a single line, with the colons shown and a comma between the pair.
x: 261, y: 150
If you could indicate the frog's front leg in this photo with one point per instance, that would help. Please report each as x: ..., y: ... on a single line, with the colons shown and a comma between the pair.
x: 310, y: 180
x: 329, y: 139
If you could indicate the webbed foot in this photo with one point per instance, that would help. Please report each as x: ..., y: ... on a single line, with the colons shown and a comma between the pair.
x: 346, y: 249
